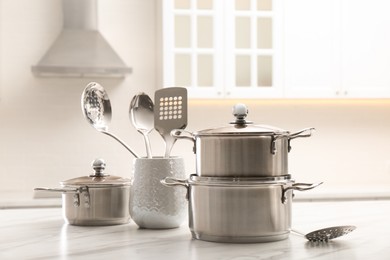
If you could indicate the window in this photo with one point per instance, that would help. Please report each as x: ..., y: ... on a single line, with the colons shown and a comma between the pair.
x: 222, y: 49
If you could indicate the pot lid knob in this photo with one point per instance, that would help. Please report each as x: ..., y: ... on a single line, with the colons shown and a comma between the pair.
x: 240, y: 111
x: 98, y: 165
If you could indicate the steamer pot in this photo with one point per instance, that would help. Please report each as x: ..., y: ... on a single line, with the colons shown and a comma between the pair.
x: 241, y: 149
x: 97, y: 199
x: 239, y: 210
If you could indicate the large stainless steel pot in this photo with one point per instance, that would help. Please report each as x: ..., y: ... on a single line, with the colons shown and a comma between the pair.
x: 97, y: 199
x: 239, y: 210
x: 241, y: 149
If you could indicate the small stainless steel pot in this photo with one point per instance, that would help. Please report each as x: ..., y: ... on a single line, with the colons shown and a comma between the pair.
x: 239, y: 210
x: 241, y: 149
x: 97, y: 199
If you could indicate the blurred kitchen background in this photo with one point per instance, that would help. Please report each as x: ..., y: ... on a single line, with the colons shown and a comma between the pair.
x: 44, y: 138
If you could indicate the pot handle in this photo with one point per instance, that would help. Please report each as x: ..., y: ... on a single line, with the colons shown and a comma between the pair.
x: 171, y: 182
x: 299, y: 187
x: 75, y: 190
x: 76, y: 197
x: 178, y: 134
x: 306, y: 132
x: 183, y: 134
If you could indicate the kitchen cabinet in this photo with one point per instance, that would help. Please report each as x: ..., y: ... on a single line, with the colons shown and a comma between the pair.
x: 223, y: 49
x: 365, y: 52
x: 289, y: 49
x: 337, y: 49
x: 311, y: 61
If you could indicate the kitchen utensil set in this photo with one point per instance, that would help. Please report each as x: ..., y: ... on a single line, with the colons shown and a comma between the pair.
x: 170, y: 113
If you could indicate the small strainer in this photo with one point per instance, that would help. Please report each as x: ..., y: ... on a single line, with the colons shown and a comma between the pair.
x: 326, y: 234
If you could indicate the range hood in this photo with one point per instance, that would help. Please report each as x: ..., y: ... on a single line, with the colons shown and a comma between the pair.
x: 80, y: 50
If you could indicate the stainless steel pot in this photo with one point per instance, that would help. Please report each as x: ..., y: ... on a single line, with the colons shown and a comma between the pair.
x: 239, y: 210
x: 241, y: 149
x: 97, y: 199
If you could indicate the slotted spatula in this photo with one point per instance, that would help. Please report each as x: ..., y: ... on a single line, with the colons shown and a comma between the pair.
x: 170, y: 113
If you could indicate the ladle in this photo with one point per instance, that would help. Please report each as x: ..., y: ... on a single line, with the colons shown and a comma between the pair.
x: 96, y: 108
x: 141, y: 114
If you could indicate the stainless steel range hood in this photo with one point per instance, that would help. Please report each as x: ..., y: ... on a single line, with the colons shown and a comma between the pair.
x: 80, y: 50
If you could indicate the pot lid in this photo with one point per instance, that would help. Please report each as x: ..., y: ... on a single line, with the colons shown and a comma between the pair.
x: 243, y: 127
x: 98, y: 178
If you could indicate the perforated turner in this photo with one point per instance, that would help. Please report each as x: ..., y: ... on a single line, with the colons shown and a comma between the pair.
x: 170, y: 113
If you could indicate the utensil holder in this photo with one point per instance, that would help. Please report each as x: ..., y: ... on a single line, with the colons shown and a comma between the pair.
x: 153, y: 205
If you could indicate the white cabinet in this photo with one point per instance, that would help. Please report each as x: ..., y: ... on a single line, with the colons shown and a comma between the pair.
x: 223, y: 49
x: 337, y: 49
x: 278, y: 49
x: 310, y: 48
x: 365, y: 48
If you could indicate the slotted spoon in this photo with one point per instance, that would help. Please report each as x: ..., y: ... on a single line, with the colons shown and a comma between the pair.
x: 170, y: 113
x: 326, y: 234
x: 96, y: 107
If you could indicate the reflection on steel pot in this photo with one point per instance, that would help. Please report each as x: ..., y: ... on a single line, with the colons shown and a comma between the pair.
x: 97, y: 199
x: 239, y: 210
x: 241, y: 149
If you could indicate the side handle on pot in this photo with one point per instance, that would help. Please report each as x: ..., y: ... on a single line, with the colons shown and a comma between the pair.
x: 62, y: 190
x: 299, y: 187
x: 183, y: 134
x: 306, y: 132
x: 171, y: 182
x: 76, y: 197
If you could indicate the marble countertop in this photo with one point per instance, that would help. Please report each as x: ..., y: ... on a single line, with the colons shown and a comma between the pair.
x: 40, y: 233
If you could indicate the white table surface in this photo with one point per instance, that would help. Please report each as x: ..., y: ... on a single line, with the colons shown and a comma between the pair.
x: 40, y: 233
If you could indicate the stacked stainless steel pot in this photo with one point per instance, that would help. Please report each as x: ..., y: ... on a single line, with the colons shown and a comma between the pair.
x: 242, y: 190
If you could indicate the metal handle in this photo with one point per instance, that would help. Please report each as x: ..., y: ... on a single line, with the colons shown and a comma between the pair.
x: 63, y: 190
x: 120, y: 141
x: 297, y: 232
x: 76, y: 197
x: 304, y: 186
x: 182, y: 134
x: 298, y: 187
x: 171, y: 182
x: 306, y: 132
x: 302, y: 133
